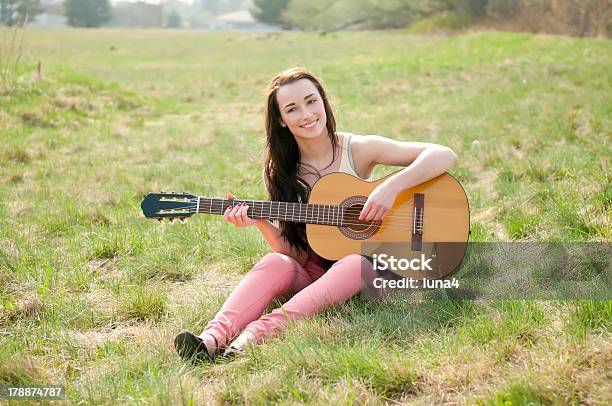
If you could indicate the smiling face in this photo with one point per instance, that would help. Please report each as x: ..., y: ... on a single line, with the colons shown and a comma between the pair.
x: 302, y: 109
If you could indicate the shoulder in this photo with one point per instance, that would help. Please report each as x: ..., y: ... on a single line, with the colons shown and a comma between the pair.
x: 376, y: 149
x: 361, y: 145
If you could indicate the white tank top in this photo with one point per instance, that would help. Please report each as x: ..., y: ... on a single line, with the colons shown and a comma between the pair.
x: 346, y: 160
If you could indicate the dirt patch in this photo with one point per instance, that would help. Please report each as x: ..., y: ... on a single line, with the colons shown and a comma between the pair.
x: 211, y: 279
x: 124, y: 331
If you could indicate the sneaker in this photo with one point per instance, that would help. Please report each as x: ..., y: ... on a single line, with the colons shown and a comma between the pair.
x: 192, y: 348
x: 239, y: 345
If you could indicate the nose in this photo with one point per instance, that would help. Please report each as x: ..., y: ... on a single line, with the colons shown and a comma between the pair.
x: 308, y: 116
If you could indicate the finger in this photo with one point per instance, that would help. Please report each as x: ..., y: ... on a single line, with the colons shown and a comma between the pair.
x: 364, y: 211
x: 231, y: 196
x: 380, y: 214
x: 231, y: 214
x: 227, y: 212
x: 239, y: 215
x: 244, y: 217
x: 373, y: 213
x: 233, y: 211
x: 244, y: 213
x: 370, y: 213
x: 238, y: 212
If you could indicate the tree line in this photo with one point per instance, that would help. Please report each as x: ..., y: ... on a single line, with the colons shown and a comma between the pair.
x: 574, y: 17
x: 79, y: 13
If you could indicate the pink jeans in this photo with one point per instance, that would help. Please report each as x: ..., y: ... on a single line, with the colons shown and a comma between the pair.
x: 277, y: 275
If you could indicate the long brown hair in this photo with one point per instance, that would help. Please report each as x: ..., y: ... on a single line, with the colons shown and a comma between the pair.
x: 283, y: 182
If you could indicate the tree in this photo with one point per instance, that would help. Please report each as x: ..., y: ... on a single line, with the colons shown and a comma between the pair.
x: 14, y: 11
x: 174, y: 20
x: 88, y: 13
x: 332, y: 15
x: 269, y: 11
x: 584, y: 16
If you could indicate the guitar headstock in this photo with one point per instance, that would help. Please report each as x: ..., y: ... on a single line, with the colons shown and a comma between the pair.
x: 169, y: 205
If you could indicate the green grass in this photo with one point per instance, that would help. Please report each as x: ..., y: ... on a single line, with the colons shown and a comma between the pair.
x: 92, y: 294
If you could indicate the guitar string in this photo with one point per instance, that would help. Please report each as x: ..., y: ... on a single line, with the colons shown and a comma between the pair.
x: 394, y: 213
x: 260, y: 201
x: 329, y: 213
x: 400, y: 212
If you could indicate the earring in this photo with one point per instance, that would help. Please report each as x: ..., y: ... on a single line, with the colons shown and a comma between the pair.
x: 283, y: 125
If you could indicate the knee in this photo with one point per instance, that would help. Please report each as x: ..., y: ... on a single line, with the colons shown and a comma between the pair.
x: 275, y: 261
x: 352, y: 263
x: 356, y: 260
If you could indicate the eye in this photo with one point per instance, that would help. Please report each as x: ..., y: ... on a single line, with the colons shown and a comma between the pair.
x: 312, y: 100
x: 290, y: 110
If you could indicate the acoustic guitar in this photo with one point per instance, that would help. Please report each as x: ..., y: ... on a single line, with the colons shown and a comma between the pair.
x: 430, y: 220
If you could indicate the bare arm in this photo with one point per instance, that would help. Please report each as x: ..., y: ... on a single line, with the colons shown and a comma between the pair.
x: 423, y: 161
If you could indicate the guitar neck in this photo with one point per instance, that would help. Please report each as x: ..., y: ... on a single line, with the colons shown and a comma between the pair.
x: 283, y: 211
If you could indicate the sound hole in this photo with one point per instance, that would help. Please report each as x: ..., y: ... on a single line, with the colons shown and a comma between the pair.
x: 351, y: 218
x: 351, y: 226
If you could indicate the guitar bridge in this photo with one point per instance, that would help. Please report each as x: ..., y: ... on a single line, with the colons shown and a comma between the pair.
x: 417, y: 221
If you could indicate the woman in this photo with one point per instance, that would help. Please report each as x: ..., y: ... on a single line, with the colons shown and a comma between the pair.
x: 303, y: 145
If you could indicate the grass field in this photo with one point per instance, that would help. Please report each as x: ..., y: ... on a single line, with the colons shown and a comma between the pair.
x: 92, y: 294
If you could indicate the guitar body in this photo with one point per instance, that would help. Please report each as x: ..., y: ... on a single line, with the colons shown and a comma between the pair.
x: 431, y: 219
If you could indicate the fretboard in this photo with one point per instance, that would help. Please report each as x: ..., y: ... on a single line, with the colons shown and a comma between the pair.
x: 283, y: 211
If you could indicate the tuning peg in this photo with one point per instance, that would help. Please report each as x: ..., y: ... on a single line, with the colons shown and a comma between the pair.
x: 183, y: 220
x: 161, y: 220
x: 172, y: 221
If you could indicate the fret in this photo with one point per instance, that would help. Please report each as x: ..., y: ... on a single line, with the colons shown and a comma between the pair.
x: 293, y: 211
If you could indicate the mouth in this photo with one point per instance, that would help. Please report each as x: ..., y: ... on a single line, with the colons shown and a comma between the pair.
x: 310, y: 125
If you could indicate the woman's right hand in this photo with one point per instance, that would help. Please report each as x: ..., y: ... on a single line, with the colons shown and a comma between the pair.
x: 237, y: 215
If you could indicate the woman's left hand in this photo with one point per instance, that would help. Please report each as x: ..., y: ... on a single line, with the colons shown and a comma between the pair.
x: 379, y: 202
